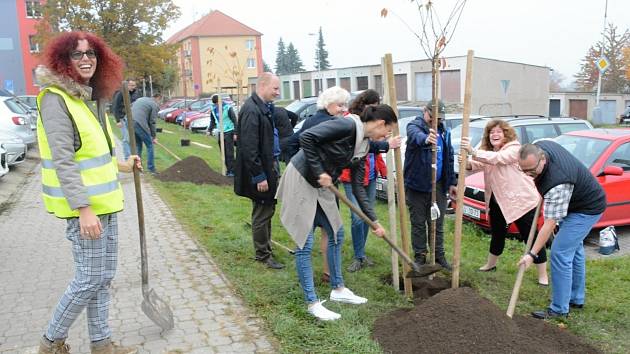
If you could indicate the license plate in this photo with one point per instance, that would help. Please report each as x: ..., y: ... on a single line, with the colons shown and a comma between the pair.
x: 472, y: 212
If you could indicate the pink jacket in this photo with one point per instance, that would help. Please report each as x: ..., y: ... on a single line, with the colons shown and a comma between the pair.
x: 513, y: 190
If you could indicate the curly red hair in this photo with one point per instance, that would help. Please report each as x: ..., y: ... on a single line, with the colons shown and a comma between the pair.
x: 108, y: 74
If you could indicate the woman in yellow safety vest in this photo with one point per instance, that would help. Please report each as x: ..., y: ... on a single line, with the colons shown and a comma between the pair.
x: 80, y: 178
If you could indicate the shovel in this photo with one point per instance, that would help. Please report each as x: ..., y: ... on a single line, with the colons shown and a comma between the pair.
x: 521, y: 269
x: 416, y: 271
x: 153, y: 306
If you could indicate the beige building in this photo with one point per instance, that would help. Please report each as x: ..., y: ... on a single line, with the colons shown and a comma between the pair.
x: 216, y: 53
x: 499, y: 87
x: 582, y: 104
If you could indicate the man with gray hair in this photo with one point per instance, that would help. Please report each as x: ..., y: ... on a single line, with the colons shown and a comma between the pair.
x: 257, y: 162
x: 574, y: 200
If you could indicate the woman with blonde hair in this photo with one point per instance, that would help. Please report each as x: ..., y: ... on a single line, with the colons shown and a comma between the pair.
x: 510, y: 195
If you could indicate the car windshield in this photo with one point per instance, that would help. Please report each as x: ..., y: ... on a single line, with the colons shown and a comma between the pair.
x: 475, y: 134
x: 295, y: 106
x: 585, y: 149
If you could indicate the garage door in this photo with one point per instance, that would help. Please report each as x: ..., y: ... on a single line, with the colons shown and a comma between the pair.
x: 423, y: 87
x: 609, y: 111
x: 344, y: 82
x: 578, y: 108
x: 554, y: 108
x: 296, y: 90
x: 286, y: 90
x: 450, y: 86
x: 401, y: 87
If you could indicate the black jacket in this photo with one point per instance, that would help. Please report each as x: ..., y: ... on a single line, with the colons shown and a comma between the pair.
x: 118, y: 105
x: 588, y: 195
x: 254, y: 158
x: 329, y: 147
x: 284, y: 126
x: 292, y: 144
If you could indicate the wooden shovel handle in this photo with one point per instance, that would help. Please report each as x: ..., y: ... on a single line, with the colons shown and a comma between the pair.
x: 521, y: 268
x: 372, y: 224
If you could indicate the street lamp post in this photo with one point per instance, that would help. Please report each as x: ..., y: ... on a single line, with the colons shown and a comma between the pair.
x: 319, y: 62
x: 597, y: 110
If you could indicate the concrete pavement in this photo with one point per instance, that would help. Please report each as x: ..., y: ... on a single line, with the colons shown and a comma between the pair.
x: 36, y: 266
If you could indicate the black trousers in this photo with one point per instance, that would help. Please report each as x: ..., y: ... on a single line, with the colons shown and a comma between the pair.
x: 261, y: 228
x: 499, y: 228
x: 228, y: 140
x: 419, y: 204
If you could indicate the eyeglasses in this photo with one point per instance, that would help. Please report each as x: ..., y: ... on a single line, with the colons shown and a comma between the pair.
x: 78, y: 55
x: 531, y: 170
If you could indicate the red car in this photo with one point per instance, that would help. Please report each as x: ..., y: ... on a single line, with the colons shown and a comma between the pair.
x: 606, y: 152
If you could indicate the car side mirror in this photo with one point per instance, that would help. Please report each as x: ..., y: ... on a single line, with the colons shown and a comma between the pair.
x: 612, y: 171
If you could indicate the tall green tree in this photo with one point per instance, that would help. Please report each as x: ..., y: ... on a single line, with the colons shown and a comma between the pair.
x: 281, y: 59
x: 294, y: 63
x: 133, y: 28
x: 266, y: 67
x: 614, y: 79
x: 321, y: 54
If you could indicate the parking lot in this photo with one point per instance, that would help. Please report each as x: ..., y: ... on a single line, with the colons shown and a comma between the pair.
x: 13, y: 181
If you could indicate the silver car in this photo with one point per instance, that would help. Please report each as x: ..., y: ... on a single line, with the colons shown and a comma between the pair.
x: 4, y: 166
x: 15, y: 148
x: 16, y: 119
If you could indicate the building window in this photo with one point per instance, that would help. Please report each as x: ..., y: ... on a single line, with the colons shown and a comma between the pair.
x: 33, y: 8
x: 251, y: 63
x: 34, y: 46
x: 249, y: 44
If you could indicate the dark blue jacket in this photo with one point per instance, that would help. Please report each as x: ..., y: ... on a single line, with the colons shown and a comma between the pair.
x: 418, y: 157
x: 292, y: 145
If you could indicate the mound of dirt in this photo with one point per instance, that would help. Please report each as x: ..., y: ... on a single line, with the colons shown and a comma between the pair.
x: 461, y: 321
x: 195, y: 170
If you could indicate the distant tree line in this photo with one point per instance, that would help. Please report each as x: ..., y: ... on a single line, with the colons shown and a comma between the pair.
x: 288, y: 59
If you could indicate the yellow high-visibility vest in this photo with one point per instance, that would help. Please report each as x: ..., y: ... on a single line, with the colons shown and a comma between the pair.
x: 96, y: 162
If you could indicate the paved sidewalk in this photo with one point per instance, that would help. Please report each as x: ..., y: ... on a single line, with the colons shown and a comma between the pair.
x: 36, y: 265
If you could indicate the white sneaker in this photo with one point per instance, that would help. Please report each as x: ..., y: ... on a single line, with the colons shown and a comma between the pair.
x: 318, y: 310
x: 346, y: 295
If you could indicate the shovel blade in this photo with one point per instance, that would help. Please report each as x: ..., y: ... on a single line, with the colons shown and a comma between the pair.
x: 158, y: 310
x: 423, y: 270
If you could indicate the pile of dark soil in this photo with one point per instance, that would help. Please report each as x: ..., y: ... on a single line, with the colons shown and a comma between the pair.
x: 195, y: 170
x: 460, y: 321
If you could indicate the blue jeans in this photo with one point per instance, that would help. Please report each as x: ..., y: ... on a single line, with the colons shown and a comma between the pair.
x: 125, y: 138
x: 360, y: 228
x: 143, y: 137
x: 568, y: 266
x: 303, y: 262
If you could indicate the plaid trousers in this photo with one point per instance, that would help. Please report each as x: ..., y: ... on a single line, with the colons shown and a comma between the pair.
x: 95, y: 266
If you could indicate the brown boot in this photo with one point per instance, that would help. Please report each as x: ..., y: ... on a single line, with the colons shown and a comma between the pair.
x: 111, y: 348
x: 56, y: 347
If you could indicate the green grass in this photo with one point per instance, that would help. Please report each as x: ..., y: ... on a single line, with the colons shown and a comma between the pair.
x: 219, y: 220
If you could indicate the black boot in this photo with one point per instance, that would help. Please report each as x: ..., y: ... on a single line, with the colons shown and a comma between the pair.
x: 441, y: 260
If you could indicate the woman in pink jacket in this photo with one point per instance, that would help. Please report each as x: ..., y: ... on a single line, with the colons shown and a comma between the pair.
x: 510, y: 194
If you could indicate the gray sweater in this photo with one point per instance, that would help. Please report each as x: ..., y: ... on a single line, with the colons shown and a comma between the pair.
x: 144, y: 111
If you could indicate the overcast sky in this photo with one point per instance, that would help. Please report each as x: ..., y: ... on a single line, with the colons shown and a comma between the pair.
x: 553, y: 33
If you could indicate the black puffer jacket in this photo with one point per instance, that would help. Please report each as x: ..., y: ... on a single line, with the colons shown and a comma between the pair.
x: 254, y: 158
x: 329, y: 147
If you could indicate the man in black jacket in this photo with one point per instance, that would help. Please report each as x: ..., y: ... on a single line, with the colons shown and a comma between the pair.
x: 573, y: 199
x: 118, y: 108
x: 257, y: 170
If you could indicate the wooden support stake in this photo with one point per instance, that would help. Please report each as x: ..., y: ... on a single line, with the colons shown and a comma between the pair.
x: 220, y: 121
x: 390, y: 98
x: 459, y: 212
